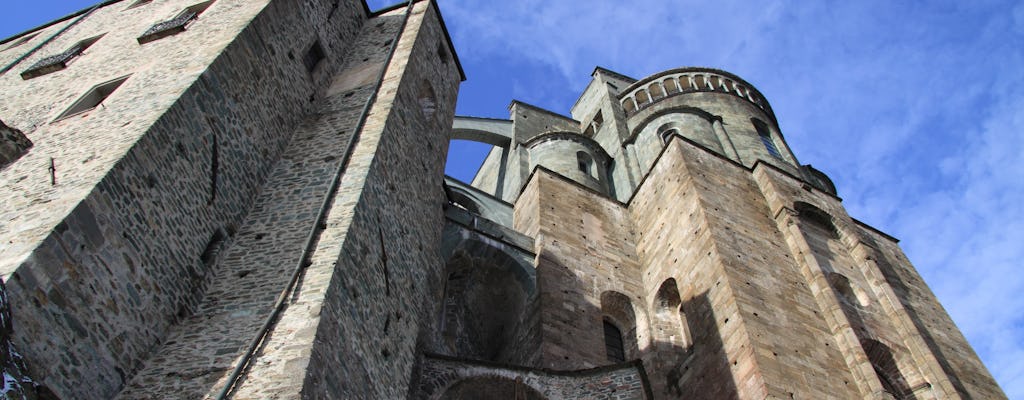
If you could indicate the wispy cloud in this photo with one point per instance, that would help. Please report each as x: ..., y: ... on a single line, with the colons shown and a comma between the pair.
x: 912, y: 108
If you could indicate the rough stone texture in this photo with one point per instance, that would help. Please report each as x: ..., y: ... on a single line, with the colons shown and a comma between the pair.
x: 382, y: 268
x: 584, y: 251
x: 738, y: 273
x: 448, y: 376
x: 100, y: 291
x: 199, y: 351
x: 177, y: 211
x: 13, y: 144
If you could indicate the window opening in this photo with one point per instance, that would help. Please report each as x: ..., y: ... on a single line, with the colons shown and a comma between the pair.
x: 667, y: 135
x: 60, y: 61
x: 214, y: 246
x: 139, y: 3
x: 22, y: 41
x: 584, y: 162
x: 93, y: 98
x: 313, y: 56
x: 613, y: 343
x: 766, y: 138
x: 174, y: 25
x: 666, y: 131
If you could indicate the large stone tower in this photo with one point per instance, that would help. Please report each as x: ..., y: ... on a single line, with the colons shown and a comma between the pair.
x: 667, y: 221
x: 246, y: 199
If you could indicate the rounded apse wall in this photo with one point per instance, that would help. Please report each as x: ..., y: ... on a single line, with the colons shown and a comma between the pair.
x: 689, y: 123
x: 572, y: 155
x: 742, y: 120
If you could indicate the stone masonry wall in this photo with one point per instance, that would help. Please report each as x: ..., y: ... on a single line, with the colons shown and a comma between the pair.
x: 966, y: 373
x: 754, y: 323
x: 584, y: 246
x: 619, y: 382
x: 884, y: 300
x: 674, y: 241
x: 381, y: 269
x: 126, y: 262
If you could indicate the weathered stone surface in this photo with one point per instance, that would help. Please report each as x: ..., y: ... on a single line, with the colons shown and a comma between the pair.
x: 280, y: 163
x: 13, y: 143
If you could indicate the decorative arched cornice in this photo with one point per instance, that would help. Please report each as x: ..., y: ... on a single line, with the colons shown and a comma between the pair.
x: 750, y: 92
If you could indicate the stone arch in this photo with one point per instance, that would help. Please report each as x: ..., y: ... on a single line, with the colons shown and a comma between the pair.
x: 463, y: 200
x: 668, y: 318
x: 816, y: 217
x: 490, y: 387
x: 848, y: 292
x: 887, y: 368
x: 617, y: 309
x: 485, y: 302
x: 669, y: 129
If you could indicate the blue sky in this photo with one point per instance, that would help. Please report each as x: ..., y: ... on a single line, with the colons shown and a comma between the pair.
x: 913, y: 108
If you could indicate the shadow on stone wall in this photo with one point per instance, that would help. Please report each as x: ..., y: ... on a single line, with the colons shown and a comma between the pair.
x: 698, y: 370
x: 888, y: 272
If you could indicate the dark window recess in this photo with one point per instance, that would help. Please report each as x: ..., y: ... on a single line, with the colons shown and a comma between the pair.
x: 93, y: 97
x: 213, y: 247
x: 21, y: 41
x: 766, y: 138
x: 174, y: 25
x: 313, y: 56
x: 60, y: 61
x: 613, y: 343
x: 139, y: 3
x: 667, y: 135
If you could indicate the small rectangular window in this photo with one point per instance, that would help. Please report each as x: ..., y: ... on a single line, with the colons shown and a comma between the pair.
x: 60, y: 61
x: 174, y: 25
x: 313, y: 56
x: 93, y: 98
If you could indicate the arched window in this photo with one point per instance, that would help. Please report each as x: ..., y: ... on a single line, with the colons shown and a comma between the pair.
x: 847, y: 291
x: 816, y: 217
x: 885, y: 366
x: 613, y: 345
x: 585, y: 163
x: 669, y: 319
x: 766, y: 138
x: 666, y: 131
x: 667, y: 135
x: 620, y: 327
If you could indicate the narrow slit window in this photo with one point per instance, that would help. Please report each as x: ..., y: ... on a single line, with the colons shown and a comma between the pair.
x: 766, y: 138
x: 613, y: 343
x: 93, y: 98
x: 313, y: 56
x: 60, y: 61
x: 174, y: 25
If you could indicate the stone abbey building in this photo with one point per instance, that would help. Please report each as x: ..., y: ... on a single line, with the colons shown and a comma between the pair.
x: 246, y: 199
